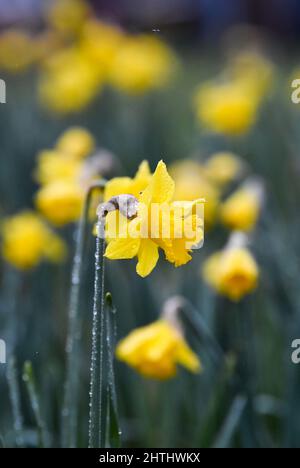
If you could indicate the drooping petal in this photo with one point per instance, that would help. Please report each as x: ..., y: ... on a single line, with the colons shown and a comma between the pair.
x: 187, y: 358
x: 147, y: 257
x: 119, y: 249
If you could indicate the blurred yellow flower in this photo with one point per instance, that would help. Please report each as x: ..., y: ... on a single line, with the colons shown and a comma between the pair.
x: 76, y: 142
x: 100, y: 43
x: 27, y: 240
x: 60, y: 201
x: 17, y: 51
x: 52, y: 165
x: 241, y: 209
x: 142, y: 63
x: 145, y: 232
x: 191, y: 183
x: 67, y: 16
x: 156, y: 349
x: 68, y: 82
x: 253, y: 70
x: 226, y: 108
x: 232, y: 272
x: 223, y: 167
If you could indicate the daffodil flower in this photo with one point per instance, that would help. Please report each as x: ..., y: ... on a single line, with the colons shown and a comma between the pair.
x: 233, y: 271
x: 156, y: 349
x: 157, y: 223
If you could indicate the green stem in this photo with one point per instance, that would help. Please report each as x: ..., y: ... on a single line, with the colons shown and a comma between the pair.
x: 96, y: 433
x: 112, y: 430
x: 194, y: 319
x: 71, y: 392
x: 14, y: 393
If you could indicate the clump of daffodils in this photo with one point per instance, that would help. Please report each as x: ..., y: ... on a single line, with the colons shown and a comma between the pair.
x: 65, y: 172
x: 60, y: 197
x: 27, y: 240
x: 101, y: 53
x: 142, y: 218
x: 142, y: 63
x: 229, y: 105
x: 233, y: 271
x: 157, y: 349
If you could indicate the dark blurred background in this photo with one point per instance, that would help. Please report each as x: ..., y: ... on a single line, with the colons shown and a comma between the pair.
x: 206, y: 19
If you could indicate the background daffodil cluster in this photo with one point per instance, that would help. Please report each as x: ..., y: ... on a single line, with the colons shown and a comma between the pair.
x: 160, y: 108
x: 78, y: 54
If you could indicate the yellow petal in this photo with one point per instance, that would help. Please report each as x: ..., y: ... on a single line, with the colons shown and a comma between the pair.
x: 117, y: 186
x: 148, y: 257
x: 143, y: 170
x: 122, y: 249
x: 187, y: 358
x: 161, y: 187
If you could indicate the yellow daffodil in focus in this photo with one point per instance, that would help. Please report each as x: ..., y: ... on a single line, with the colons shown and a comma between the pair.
x: 191, y: 183
x: 17, y: 51
x: 232, y: 272
x: 227, y: 108
x: 241, y: 210
x: 67, y: 16
x: 27, y: 240
x: 155, y: 351
x: 156, y: 223
x: 76, y: 142
x: 62, y: 90
x: 223, y: 167
x: 142, y: 63
x: 60, y: 201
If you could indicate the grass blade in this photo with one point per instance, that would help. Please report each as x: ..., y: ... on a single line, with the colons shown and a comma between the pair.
x: 14, y: 393
x: 113, y: 432
x: 29, y: 380
x: 231, y: 422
